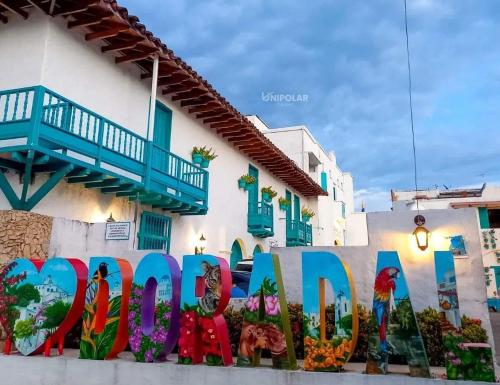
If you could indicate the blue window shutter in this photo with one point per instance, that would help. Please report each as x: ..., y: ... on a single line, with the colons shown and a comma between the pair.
x: 334, y: 193
x: 154, y: 233
x: 484, y: 220
x: 324, y: 182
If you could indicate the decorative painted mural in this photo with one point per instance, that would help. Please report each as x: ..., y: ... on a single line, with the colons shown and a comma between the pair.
x: 206, y: 286
x: 152, y: 309
x: 266, y: 324
x: 153, y: 318
x: 464, y: 361
x: 397, y: 327
x: 332, y: 354
x: 105, y: 327
x: 41, y: 302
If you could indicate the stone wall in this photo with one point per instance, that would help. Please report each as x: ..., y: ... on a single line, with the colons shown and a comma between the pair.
x: 24, y: 234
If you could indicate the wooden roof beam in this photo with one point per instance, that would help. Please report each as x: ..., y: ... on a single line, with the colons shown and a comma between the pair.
x: 127, y: 58
x: 186, y: 85
x: 4, y: 19
x: 40, y: 6
x: 14, y: 7
x: 71, y: 9
x: 130, y: 43
x: 188, y: 95
x: 219, y: 118
x: 226, y: 123
x: 108, y: 32
x: 197, y: 102
x: 174, y: 78
x: 90, y: 20
x: 208, y: 107
x: 233, y: 131
x: 212, y: 114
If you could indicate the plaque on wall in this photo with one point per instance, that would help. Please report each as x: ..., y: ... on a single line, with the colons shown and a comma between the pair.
x: 117, y: 231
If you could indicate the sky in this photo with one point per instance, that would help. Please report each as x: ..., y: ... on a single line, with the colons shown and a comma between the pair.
x: 342, y: 64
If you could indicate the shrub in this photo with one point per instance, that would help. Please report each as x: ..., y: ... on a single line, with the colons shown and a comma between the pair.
x: 472, y: 331
x: 429, y: 323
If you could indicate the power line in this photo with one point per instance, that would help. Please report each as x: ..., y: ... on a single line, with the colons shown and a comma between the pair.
x: 411, y: 109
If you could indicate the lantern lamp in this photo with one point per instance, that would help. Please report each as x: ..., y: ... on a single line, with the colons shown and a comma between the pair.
x: 420, y: 233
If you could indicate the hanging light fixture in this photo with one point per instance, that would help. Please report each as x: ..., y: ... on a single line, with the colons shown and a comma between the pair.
x: 420, y: 233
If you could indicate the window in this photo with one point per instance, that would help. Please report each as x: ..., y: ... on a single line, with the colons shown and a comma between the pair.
x: 324, y: 182
x: 334, y: 193
x: 154, y: 233
x: 494, y: 218
x: 343, y: 210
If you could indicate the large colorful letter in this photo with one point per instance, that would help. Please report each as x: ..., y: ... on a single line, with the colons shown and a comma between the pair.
x: 153, y: 318
x: 464, y: 361
x: 266, y: 324
x: 322, y: 354
x: 40, y: 301
x: 398, y: 331
x: 105, y: 329
x: 206, y: 288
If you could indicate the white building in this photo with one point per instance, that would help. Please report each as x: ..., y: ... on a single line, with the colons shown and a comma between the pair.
x: 332, y: 210
x: 76, y: 143
x: 486, y: 199
x: 51, y: 292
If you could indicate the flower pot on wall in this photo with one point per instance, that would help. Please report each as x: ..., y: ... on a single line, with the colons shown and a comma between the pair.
x: 283, y: 206
x: 306, y: 218
x: 204, y: 163
x: 197, y: 158
x: 266, y: 197
x: 247, y: 186
x: 242, y: 184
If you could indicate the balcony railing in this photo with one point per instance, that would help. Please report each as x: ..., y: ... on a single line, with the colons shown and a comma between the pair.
x: 260, y: 219
x: 298, y: 233
x: 36, y: 118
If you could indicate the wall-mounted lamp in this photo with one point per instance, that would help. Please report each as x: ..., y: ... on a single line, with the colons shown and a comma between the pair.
x: 110, y: 219
x: 420, y: 233
x: 202, y: 244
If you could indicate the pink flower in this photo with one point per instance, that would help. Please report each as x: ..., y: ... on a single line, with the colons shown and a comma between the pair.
x: 253, y: 303
x: 272, y: 305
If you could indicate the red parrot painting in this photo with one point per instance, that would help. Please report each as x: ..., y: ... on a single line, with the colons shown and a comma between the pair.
x: 384, y: 284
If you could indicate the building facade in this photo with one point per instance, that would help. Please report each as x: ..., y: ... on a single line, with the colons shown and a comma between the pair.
x: 485, y: 199
x: 98, y: 120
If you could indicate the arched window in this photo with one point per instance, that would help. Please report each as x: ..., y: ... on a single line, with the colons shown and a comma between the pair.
x: 236, y: 253
x: 257, y: 249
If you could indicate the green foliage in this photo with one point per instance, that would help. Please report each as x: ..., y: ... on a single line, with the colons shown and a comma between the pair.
x: 472, y: 331
x: 429, y: 323
x: 269, y: 190
x: 55, y: 314
x: 206, y: 153
x: 284, y: 202
x: 307, y: 212
x: 269, y: 287
x: 25, y: 294
x: 24, y: 328
x: 248, y: 179
x: 472, y: 364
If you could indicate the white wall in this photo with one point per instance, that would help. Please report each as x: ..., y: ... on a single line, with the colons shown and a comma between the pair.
x: 390, y: 231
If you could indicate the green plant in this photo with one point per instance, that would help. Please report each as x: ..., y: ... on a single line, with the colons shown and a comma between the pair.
x: 283, y: 202
x: 198, y: 150
x: 208, y: 154
x: 55, y: 314
x: 24, y: 328
x: 472, y: 331
x: 429, y: 323
x: 307, y: 212
x: 269, y: 190
x: 248, y: 179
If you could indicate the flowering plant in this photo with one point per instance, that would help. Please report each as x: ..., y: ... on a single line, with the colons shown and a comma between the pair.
x: 147, y: 348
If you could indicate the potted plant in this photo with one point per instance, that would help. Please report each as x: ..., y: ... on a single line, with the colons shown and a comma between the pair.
x: 307, y: 214
x: 246, y: 181
x: 284, y: 203
x: 208, y: 156
x: 268, y: 194
x: 197, y: 155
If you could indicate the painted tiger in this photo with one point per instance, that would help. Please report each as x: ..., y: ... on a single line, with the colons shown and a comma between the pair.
x: 212, y: 277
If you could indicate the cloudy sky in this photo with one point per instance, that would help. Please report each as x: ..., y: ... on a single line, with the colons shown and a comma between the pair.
x: 349, y: 58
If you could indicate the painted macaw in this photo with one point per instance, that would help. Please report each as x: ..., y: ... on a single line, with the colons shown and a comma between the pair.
x: 384, y: 283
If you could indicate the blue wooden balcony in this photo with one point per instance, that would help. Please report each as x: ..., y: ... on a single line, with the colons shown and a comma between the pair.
x: 298, y: 233
x: 260, y: 219
x: 43, y: 132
